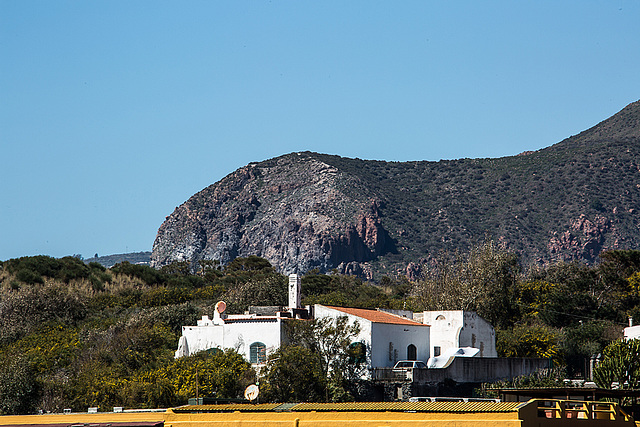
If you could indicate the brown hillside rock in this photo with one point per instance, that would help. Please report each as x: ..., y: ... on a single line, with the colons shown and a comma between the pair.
x: 304, y: 211
x: 295, y: 211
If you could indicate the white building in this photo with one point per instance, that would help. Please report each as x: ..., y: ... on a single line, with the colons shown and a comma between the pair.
x: 631, y: 332
x: 250, y: 335
x: 387, y: 337
x: 455, y: 329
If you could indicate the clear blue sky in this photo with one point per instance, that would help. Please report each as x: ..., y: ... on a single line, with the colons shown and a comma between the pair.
x: 112, y: 113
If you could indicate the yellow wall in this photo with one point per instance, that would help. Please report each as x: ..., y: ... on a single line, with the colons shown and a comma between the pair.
x: 535, y: 413
x: 341, y: 419
x: 83, y: 418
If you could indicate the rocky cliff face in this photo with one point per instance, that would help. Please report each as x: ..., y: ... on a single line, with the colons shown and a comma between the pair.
x: 304, y: 211
x: 295, y: 211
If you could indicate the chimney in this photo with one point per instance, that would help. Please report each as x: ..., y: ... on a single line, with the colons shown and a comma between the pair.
x: 294, y: 291
x: 630, y: 321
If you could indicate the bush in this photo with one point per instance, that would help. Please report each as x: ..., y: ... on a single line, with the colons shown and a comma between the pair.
x: 25, y: 309
x: 29, y: 277
x: 528, y: 341
x: 145, y: 273
x: 620, y: 363
x: 224, y: 374
x: 294, y: 374
x: 18, y: 388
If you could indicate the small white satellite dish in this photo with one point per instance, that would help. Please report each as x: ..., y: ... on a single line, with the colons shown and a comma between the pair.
x: 251, y: 392
x: 221, y: 306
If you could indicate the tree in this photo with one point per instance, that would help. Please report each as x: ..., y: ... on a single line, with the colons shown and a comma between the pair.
x: 18, y: 388
x: 483, y: 281
x: 329, y: 338
x: 620, y: 363
x: 252, y: 263
x: 344, y: 291
x: 294, y: 374
x: 270, y: 290
x: 528, y: 341
x: 224, y: 374
x: 177, y: 268
x: 582, y: 341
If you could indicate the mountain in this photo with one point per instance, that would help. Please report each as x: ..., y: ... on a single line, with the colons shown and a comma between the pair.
x: 306, y: 210
x: 109, y: 261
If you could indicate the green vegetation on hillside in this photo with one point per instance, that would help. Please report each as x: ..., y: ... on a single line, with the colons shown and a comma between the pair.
x: 75, y: 335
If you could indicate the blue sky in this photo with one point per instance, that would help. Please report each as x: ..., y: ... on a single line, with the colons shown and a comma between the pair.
x: 112, y: 113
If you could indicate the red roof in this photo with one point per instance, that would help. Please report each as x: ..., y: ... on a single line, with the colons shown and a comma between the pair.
x: 377, y: 316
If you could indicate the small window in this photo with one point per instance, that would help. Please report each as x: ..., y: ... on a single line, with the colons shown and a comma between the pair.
x: 436, y: 351
x: 440, y: 317
x: 257, y: 353
x: 412, y: 353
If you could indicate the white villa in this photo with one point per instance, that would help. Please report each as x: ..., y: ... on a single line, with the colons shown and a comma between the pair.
x: 452, y: 329
x: 387, y: 335
x: 631, y: 332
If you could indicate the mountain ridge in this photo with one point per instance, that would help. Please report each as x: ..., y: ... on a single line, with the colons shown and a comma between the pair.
x: 307, y: 210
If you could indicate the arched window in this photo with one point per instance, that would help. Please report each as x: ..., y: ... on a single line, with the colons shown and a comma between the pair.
x: 440, y: 317
x: 357, y: 353
x: 257, y: 353
x: 412, y: 353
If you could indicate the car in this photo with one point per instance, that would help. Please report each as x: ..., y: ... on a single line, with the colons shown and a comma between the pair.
x: 404, y: 365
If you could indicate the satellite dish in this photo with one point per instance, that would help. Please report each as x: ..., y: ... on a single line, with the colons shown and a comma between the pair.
x: 251, y: 392
x: 221, y: 306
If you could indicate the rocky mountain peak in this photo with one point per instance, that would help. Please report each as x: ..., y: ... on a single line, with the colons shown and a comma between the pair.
x: 305, y: 211
x: 297, y: 211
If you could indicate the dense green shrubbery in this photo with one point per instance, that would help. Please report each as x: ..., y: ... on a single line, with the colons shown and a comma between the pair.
x: 34, y: 270
x: 75, y: 335
x: 148, y: 275
x: 86, y: 336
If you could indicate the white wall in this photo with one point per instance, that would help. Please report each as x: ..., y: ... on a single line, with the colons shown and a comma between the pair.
x: 632, y: 332
x: 389, y: 343
x: 457, y: 328
x: 478, y: 333
x: 377, y: 336
x: 238, y: 335
x: 199, y: 338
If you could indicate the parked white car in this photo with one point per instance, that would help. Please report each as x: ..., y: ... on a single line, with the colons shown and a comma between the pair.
x: 404, y: 365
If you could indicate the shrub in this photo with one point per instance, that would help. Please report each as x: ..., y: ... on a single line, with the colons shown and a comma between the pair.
x: 18, y: 387
x: 145, y: 273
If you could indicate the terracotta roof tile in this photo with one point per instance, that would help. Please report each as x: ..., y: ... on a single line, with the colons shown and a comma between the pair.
x: 377, y: 316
